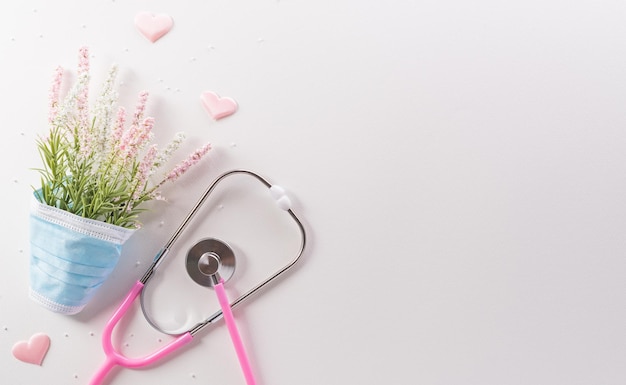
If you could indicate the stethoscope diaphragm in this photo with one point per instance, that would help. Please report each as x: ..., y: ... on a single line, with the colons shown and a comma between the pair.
x: 210, y: 261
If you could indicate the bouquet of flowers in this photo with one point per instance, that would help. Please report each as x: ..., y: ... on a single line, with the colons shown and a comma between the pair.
x: 97, y: 172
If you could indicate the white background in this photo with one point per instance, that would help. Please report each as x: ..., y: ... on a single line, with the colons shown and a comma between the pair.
x: 460, y: 167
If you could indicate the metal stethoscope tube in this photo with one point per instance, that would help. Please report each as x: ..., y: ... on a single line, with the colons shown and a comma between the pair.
x: 163, y: 252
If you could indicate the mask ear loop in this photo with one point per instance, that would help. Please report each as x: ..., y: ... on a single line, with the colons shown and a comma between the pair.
x: 233, y: 331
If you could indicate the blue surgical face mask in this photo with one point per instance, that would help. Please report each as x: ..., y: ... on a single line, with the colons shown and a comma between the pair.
x: 71, y: 257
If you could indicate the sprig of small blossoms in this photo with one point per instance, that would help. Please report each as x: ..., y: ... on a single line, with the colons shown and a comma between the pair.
x: 94, y: 164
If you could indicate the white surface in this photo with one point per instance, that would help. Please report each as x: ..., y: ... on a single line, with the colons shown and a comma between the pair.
x: 460, y: 166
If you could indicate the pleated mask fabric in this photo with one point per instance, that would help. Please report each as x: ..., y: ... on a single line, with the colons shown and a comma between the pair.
x: 70, y: 257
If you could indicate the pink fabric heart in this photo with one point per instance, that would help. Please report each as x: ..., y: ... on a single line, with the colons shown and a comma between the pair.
x: 33, y: 351
x: 216, y: 106
x: 153, y: 27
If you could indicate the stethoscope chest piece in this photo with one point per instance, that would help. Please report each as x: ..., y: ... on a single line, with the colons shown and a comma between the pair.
x: 210, y: 261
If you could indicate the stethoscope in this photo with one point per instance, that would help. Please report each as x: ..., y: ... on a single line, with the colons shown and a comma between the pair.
x: 210, y: 262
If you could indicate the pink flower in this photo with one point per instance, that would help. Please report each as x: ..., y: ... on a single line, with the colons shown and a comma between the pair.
x: 136, y: 138
x: 83, y: 61
x: 182, y: 167
x: 82, y: 102
x: 140, y: 108
x: 144, y: 135
x: 143, y: 171
x: 118, y: 129
x: 54, y: 94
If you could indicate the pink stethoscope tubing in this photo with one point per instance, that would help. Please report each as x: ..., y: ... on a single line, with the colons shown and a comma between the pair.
x: 114, y: 358
x: 234, y: 333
